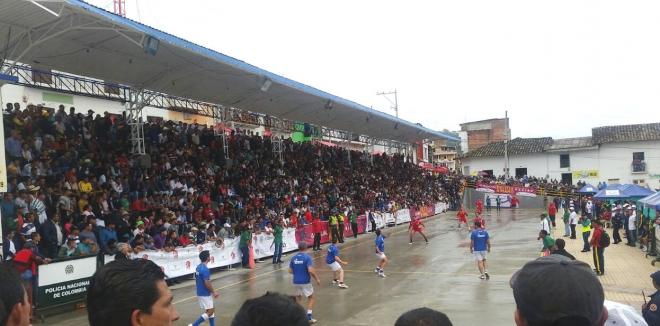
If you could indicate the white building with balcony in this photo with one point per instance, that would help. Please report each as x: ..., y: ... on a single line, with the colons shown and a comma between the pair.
x: 614, y: 154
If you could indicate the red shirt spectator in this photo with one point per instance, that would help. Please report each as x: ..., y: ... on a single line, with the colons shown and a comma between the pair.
x: 317, y: 225
x: 595, y: 236
x: 139, y: 205
x: 552, y: 210
x: 184, y: 240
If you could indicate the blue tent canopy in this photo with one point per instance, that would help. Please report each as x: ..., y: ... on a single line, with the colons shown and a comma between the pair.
x: 652, y: 200
x: 588, y: 189
x: 624, y: 191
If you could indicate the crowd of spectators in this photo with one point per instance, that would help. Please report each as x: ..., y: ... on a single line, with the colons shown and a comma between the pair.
x: 548, y: 185
x: 75, y: 189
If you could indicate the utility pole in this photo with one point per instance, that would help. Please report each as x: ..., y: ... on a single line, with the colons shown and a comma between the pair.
x: 395, y: 103
x: 506, y: 145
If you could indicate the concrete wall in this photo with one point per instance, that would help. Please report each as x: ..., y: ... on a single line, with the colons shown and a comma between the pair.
x: 536, y: 164
x: 25, y: 96
x: 470, y: 197
x: 616, y: 160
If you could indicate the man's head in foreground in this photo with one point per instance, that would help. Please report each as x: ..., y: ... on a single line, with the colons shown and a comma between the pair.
x: 130, y: 292
x: 557, y: 291
x: 271, y: 309
x: 14, y: 305
x: 423, y: 317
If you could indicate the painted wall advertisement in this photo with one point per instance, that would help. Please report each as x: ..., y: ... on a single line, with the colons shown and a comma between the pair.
x: 64, y: 281
x: 585, y: 174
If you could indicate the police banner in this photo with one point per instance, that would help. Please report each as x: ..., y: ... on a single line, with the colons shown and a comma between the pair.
x: 63, y: 282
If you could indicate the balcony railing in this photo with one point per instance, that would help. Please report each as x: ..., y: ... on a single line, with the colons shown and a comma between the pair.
x: 638, y: 167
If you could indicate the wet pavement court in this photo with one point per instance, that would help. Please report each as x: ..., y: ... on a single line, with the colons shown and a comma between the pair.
x: 441, y: 275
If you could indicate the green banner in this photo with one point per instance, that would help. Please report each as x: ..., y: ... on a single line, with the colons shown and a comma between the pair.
x: 57, y: 98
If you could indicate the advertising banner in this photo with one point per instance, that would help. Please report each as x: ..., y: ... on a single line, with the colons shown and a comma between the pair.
x: 389, y: 219
x: 402, y: 216
x: 505, y: 200
x: 183, y: 261
x: 504, y: 189
x: 64, y: 281
x: 585, y: 174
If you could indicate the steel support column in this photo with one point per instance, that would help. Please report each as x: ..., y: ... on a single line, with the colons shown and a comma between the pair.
x: 135, y: 121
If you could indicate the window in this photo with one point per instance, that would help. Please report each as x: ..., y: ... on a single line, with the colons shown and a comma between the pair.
x: 567, y: 178
x: 521, y: 172
x: 488, y: 172
x: 638, y: 165
x: 638, y: 182
x: 564, y: 161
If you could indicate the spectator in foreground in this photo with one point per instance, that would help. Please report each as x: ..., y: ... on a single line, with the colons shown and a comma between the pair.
x: 650, y: 309
x: 271, y: 309
x: 130, y: 292
x: 557, y: 291
x: 123, y: 251
x: 14, y: 304
x: 423, y: 317
x: 560, y: 244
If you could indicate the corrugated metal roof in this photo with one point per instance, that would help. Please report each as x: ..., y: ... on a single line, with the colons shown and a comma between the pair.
x: 184, y: 69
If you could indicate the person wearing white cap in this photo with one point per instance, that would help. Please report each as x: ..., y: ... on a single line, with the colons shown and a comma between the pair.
x: 573, y: 221
x: 619, y: 314
x: 632, y: 227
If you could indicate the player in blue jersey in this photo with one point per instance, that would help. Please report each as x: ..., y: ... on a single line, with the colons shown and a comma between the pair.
x: 301, y: 268
x: 479, y: 246
x: 205, y: 292
x: 333, y: 261
x: 380, y: 253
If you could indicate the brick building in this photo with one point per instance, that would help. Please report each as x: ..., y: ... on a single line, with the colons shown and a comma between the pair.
x: 484, y: 132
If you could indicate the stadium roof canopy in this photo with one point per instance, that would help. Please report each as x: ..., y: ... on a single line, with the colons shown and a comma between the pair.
x: 82, y: 39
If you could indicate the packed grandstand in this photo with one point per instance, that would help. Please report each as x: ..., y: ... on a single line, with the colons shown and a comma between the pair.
x: 74, y: 168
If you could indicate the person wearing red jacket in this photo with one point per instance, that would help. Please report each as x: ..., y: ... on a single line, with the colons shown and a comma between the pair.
x: 317, y: 228
x: 552, y: 211
x: 599, y: 259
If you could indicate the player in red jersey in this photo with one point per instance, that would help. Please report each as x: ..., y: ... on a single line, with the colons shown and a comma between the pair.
x: 462, y: 217
x: 416, y: 225
x: 480, y: 220
x: 480, y: 207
